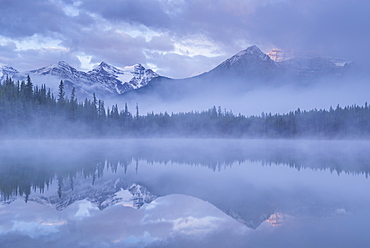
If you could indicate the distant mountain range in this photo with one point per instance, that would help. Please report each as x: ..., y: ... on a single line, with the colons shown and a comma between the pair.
x: 248, y: 69
x: 104, y: 80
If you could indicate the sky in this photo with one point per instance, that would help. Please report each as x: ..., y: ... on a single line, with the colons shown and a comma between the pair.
x: 177, y: 38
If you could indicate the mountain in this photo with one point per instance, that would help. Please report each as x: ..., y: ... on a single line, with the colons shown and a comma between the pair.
x: 104, y: 80
x: 248, y: 69
x: 247, y: 64
x: 309, y: 69
x: 253, y: 64
x: 124, y: 80
x: 7, y: 71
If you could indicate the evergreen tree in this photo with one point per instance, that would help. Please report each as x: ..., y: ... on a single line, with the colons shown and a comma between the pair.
x: 61, y: 94
x: 73, y: 105
x: 28, y: 88
x: 137, y: 111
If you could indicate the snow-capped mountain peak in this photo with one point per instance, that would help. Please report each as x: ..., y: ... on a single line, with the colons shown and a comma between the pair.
x: 249, y: 63
x: 124, y: 79
x: 252, y: 51
x: 115, y: 71
x: 104, y: 66
x: 134, y: 67
x: 103, y: 80
x: 61, y: 69
x: 6, y: 70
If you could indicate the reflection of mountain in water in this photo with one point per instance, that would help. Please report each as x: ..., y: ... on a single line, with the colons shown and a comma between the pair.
x: 102, y: 194
x: 78, y: 173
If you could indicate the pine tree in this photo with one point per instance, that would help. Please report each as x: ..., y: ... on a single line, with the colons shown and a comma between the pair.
x: 73, y: 105
x: 73, y: 94
x: 101, y: 110
x: 126, y: 110
x: 137, y: 111
x: 28, y: 88
x: 61, y: 94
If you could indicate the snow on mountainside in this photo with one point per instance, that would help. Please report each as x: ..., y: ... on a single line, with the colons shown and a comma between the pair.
x: 247, y: 69
x: 103, y: 80
x: 123, y: 80
x: 7, y: 71
x: 251, y: 62
x: 250, y: 52
x: 309, y: 68
x: 253, y: 66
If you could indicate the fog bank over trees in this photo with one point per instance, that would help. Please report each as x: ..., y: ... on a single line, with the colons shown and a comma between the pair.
x: 33, y: 111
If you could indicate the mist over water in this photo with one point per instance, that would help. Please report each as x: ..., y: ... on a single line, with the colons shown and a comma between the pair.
x: 183, y: 192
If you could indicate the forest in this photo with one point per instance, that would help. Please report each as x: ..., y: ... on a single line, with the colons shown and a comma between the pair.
x: 32, y: 111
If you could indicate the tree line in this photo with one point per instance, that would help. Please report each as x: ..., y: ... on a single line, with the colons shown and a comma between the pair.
x: 28, y: 110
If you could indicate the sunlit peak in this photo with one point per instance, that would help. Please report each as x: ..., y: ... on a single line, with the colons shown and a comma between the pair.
x: 279, y: 55
x: 276, y: 219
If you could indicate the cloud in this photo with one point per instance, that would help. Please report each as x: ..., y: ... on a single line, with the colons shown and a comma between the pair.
x: 35, y: 58
x: 335, y: 28
x: 168, y: 35
x: 25, y: 18
x: 196, y: 226
x: 310, y: 27
x: 148, y: 13
x: 6, y: 52
x: 161, y: 43
x: 218, y: 20
x: 181, y: 66
x: 109, y: 45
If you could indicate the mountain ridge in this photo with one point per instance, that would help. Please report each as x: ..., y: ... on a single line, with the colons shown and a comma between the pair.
x: 103, y: 80
x: 243, y: 71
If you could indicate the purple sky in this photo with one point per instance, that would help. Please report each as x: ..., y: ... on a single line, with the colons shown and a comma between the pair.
x: 177, y: 38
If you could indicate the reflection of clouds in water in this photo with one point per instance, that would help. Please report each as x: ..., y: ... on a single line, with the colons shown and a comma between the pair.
x: 34, y: 229
x: 341, y: 211
x: 37, y: 222
x: 152, y: 205
x: 196, y: 226
x: 137, y: 241
x: 188, y: 216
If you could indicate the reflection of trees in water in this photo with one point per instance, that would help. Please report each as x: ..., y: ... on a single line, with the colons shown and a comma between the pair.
x: 22, y: 175
x: 19, y: 179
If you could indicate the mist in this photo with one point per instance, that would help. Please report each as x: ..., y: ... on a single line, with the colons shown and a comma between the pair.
x: 268, y: 99
x: 244, y: 96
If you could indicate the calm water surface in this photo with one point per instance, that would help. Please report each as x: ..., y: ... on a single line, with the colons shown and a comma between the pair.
x: 184, y: 193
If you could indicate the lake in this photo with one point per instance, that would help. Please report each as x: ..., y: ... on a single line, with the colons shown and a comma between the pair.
x: 184, y: 193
